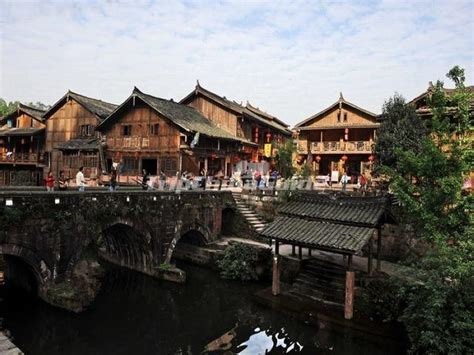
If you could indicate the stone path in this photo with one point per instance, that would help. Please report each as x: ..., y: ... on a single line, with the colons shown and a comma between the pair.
x: 7, y: 347
x: 250, y: 216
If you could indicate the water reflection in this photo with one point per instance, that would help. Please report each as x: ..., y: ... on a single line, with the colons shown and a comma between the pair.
x: 135, y: 314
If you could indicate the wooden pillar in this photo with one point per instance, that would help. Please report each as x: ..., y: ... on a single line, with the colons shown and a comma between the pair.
x: 276, y: 275
x: 370, y: 258
x: 349, y: 297
x: 309, y: 251
x: 277, y: 247
x: 293, y: 250
x: 300, y: 252
x: 349, y: 300
x: 379, y: 249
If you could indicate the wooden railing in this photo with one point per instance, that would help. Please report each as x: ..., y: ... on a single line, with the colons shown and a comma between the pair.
x: 302, y: 147
x: 33, y: 158
x: 341, y: 147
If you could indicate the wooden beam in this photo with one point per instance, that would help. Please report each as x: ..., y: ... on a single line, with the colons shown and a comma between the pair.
x: 370, y: 258
x: 276, y: 275
x: 379, y: 249
x: 349, y: 299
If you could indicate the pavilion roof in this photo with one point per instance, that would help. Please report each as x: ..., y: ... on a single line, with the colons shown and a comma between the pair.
x: 331, y: 222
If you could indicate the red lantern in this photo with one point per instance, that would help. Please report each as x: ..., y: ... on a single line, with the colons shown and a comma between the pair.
x: 136, y: 155
x: 344, y: 158
x: 269, y: 137
x: 318, y: 158
x: 371, y: 158
x: 256, y: 135
x: 213, y: 156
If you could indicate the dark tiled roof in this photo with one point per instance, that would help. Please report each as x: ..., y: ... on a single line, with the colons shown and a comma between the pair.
x: 28, y: 131
x: 332, y: 222
x: 89, y: 144
x: 328, y: 236
x: 259, y: 116
x: 98, y: 107
x: 30, y: 111
x: 362, y: 211
x: 448, y: 92
x: 334, y: 105
x: 183, y: 116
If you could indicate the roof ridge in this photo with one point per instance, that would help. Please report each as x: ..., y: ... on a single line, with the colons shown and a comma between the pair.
x: 90, y: 98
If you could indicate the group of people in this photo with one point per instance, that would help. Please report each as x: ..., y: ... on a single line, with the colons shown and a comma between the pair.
x: 362, y: 182
x: 63, y: 181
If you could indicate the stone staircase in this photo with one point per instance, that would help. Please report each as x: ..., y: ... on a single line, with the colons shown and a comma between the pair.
x: 322, y: 281
x: 250, y: 216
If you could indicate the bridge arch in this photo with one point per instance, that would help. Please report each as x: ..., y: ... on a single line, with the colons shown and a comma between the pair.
x: 128, y: 243
x: 193, y: 233
x: 24, y: 264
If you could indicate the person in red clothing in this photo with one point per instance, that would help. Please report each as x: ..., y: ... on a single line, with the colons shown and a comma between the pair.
x: 49, y: 182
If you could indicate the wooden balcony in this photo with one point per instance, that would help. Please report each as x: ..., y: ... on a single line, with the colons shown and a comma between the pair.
x: 22, y: 158
x: 341, y: 147
x: 302, y: 146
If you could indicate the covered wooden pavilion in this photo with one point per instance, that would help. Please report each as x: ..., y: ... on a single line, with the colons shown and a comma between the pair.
x: 338, y: 224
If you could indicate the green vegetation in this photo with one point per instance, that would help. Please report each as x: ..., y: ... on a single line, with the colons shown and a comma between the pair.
x: 6, y: 108
x: 284, y: 159
x: 427, y: 178
x: 238, y: 263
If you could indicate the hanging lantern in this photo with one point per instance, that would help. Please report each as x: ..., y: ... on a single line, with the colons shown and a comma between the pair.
x: 23, y: 141
x: 346, y: 134
x: 1, y: 141
x: 318, y: 158
x: 256, y: 135
x: 213, y: 156
x: 136, y: 155
x: 371, y: 158
x: 269, y: 137
x: 344, y: 158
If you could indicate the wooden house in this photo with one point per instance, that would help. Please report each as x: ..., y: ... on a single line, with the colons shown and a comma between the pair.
x: 71, y: 138
x: 155, y: 134
x: 260, y: 131
x: 338, y: 138
x: 21, y: 147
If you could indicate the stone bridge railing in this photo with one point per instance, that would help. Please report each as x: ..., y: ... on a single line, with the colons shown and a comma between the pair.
x: 60, y: 234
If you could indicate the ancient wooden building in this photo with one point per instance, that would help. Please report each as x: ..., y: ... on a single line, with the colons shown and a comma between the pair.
x: 22, y: 146
x: 147, y: 132
x: 260, y: 131
x: 338, y: 138
x: 71, y: 138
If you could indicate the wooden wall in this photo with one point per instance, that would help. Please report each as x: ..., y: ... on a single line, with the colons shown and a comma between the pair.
x: 221, y: 117
x: 140, y: 117
x: 65, y: 123
x: 25, y: 121
x: 354, y: 117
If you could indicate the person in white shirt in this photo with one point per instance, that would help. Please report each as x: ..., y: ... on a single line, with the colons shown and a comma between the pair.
x: 80, y: 181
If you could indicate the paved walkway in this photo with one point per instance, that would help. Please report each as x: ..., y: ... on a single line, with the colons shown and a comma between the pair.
x: 7, y: 347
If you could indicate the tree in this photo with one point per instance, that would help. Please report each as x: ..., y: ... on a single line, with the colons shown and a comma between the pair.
x: 284, y: 159
x: 400, y: 128
x: 6, y: 108
x: 428, y: 183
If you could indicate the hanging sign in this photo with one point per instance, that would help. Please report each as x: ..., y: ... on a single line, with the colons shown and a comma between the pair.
x: 268, y: 150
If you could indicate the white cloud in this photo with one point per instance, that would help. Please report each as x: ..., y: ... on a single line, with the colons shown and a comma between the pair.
x: 290, y: 58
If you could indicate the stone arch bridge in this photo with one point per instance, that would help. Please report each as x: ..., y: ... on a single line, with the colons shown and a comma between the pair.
x: 58, y: 236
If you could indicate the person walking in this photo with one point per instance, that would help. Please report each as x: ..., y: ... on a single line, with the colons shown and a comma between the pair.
x: 113, y: 180
x: 63, y: 181
x: 49, y: 182
x: 145, y: 180
x: 344, y: 181
x: 80, y: 180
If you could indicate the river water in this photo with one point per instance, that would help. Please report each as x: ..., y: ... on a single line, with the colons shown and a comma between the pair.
x: 135, y: 314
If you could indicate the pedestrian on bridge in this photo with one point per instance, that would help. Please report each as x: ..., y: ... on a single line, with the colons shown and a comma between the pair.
x: 80, y: 180
x: 49, y: 182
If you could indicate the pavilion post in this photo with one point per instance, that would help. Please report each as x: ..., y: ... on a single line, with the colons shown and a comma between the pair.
x: 300, y: 252
x: 379, y: 249
x: 349, y: 299
x: 370, y: 258
x: 293, y: 250
x: 309, y: 251
x: 276, y: 275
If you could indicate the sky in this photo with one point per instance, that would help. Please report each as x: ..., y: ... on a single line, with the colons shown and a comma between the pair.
x: 290, y: 58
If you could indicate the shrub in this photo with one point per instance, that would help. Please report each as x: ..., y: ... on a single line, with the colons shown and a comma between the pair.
x: 238, y: 263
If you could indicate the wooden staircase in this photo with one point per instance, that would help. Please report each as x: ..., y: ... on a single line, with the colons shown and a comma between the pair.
x: 322, y: 281
x: 250, y: 216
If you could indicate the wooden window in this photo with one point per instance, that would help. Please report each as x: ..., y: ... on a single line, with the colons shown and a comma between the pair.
x: 169, y: 165
x: 345, y: 116
x: 86, y: 130
x: 338, y: 117
x: 153, y: 129
x: 130, y: 164
x: 127, y: 130
x: 10, y: 123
